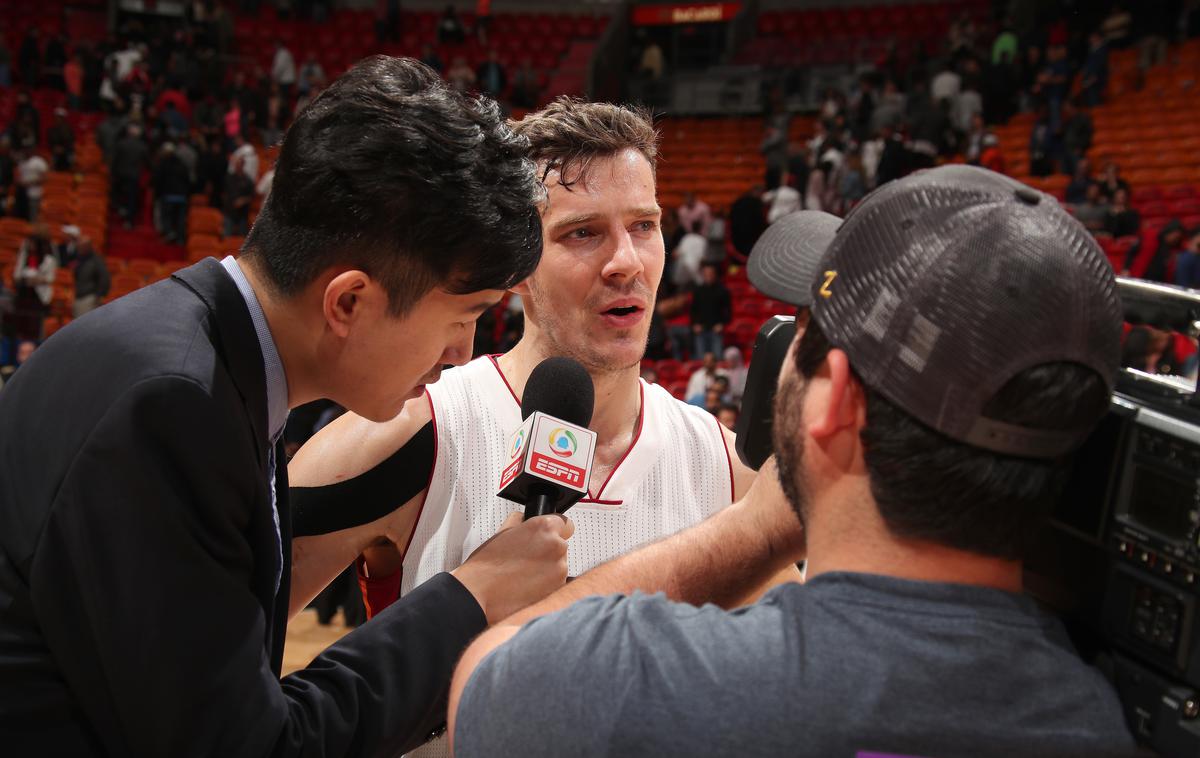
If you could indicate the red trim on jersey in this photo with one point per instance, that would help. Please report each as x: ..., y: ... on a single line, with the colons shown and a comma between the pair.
x: 637, y: 435
x: 728, y: 459
x: 504, y: 379
x: 593, y: 501
x: 380, y: 592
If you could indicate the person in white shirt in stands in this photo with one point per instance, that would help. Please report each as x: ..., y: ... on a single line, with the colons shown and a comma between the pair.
x: 283, y: 67
x: 246, y: 154
x: 782, y: 200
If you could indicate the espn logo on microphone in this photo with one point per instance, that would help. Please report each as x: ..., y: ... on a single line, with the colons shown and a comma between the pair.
x: 558, y: 471
x: 550, y: 449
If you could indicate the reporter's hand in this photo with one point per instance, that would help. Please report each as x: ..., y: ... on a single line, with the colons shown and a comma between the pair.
x: 521, y: 564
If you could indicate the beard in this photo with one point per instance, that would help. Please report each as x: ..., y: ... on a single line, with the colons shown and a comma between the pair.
x: 789, y: 444
x: 564, y: 341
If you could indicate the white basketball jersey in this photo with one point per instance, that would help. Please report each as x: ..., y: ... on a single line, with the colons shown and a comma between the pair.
x: 676, y: 474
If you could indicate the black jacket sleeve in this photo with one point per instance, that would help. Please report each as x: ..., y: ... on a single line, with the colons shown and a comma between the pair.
x: 144, y: 580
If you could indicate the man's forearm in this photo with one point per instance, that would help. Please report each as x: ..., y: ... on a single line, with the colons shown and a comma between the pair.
x: 717, y: 561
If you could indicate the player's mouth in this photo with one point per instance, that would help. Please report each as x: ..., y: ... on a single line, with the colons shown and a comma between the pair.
x: 623, y: 314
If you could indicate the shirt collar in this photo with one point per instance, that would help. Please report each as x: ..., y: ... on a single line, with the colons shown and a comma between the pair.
x: 277, y: 389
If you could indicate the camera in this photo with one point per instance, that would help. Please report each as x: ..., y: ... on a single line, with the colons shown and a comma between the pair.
x: 1119, y: 559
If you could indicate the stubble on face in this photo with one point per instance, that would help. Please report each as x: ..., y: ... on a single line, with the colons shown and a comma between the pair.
x: 788, y: 443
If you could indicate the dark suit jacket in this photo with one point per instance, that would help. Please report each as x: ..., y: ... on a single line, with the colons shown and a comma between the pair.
x: 138, y: 612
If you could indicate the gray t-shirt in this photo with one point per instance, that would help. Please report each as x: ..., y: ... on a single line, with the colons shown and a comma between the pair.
x: 846, y: 665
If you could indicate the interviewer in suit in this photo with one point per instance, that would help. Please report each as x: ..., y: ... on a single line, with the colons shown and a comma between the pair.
x: 145, y: 541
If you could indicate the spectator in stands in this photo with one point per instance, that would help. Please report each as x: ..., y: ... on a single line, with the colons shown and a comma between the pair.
x: 387, y: 21
x: 8, y: 173
x: 1187, y: 264
x: 450, y: 28
x: 889, y: 110
x: 483, y: 20
x: 694, y: 210
x: 774, y: 150
x: 785, y: 198
x: 1111, y: 181
x: 674, y: 309
x: 245, y: 156
x: 702, y: 377
x: 525, y: 85
x: 1094, y: 75
x: 712, y: 310
x: 67, y: 251
x: 1081, y: 179
x: 239, y: 193
x: 727, y: 415
x: 747, y: 220
x: 263, y: 188
x: 1122, y: 221
x: 92, y: 279
x: 25, y: 350
x: 233, y: 121
x: 1161, y: 264
x: 5, y: 63
x: 852, y: 183
x: 716, y: 395
x: 1117, y: 26
x: 130, y: 157
x: 30, y: 58
x: 53, y: 61
x: 969, y: 102
x: 862, y: 106
x: 1043, y: 145
x: 171, y: 190
x: 274, y: 117
x: 460, y: 76
x: 61, y: 139
x: 945, y: 85
x: 211, y: 171
x: 491, y: 76
x: 31, y: 176
x: 1055, y: 81
x: 283, y: 67
x: 735, y: 369
x: 431, y: 59
x: 1077, y: 135
x: 1093, y: 211
x: 688, y: 258
x: 33, y: 283
x: 137, y: 84
x: 973, y: 143
x: 312, y: 73
x: 73, y: 81
x: 993, y: 157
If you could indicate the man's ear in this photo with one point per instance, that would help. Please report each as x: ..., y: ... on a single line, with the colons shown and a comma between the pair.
x: 343, y: 300
x: 840, y: 404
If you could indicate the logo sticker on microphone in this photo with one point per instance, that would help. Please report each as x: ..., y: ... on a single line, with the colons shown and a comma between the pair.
x: 518, y: 443
x: 563, y: 443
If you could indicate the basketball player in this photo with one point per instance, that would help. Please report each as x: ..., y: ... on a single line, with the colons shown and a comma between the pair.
x: 660, y: 465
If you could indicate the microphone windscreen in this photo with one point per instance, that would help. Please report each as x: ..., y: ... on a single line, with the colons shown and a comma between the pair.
x: 560, y: 387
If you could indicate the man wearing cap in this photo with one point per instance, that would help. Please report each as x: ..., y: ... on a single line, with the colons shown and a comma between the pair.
x: 964, y: 338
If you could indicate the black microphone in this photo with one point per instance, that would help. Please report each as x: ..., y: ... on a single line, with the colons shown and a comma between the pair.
x: 551, y: 454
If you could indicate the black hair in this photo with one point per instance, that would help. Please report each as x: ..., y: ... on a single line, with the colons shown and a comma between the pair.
x: 930, y: 487
x: 392, y: 172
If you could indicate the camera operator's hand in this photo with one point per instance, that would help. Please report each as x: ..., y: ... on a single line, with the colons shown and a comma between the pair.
x: 522, y: 563
x: 767, y: 506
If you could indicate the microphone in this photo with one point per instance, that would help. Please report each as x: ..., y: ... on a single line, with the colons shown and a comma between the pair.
x: 550, y: 455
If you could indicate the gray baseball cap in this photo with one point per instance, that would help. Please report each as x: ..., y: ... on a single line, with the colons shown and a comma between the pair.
x: 944, y: 285
x: 784, y: 261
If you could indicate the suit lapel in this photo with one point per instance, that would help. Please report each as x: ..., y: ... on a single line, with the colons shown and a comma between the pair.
x: 236, y: 343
